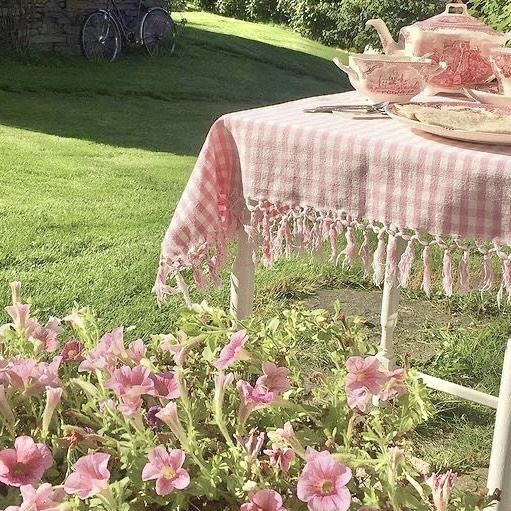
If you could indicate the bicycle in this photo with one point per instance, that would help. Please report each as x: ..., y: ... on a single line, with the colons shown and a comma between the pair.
x: 103, y: 32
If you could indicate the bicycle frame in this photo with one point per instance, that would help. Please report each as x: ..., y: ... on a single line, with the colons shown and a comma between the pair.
x: 120, y: 18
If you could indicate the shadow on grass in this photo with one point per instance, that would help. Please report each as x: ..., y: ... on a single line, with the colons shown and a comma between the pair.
x: 164, y: 104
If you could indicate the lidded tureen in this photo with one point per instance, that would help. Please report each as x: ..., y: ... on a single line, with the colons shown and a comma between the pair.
x: 455, y: 37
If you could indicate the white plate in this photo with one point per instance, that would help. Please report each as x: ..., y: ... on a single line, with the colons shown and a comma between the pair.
x: 489, y: 98
x: 467, y: 136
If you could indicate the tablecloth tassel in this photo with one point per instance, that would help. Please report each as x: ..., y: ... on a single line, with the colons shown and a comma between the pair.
x: 334, y: 243
x: 506, y: 276
x: 278, y: 239
x: 288, y: 238
x: 391, y: 267
x: 217, y: 261
x: 315, y: 239
x: 198, y: 278
x: 350, y: 251
x: 464, y: 274
x: 500, y: 294
x: 325, y: 228
x: 379, y: 260
x: 181, y: 284
x: 405, y: 263
x: 267, y: 241
x: 298, y: 235
x: 365, y: 254
x: 447, y: 272
x: 426, y: 263
x: 487, y: 279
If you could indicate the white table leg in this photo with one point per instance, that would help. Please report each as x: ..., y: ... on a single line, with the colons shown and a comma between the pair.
x: 499, y: 475
x: 389, y: 311
x: 242, y: 279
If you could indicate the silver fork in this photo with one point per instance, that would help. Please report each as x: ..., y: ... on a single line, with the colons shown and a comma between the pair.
x: 366, y: 109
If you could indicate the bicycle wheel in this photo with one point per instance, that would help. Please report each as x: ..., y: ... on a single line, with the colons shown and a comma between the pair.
x: 101, y: 38
x: 158, y: 32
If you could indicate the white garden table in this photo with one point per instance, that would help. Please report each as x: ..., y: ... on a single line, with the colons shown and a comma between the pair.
x: 280, y: 181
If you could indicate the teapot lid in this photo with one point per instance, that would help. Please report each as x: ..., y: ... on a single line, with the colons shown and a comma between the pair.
x: 451, y: 18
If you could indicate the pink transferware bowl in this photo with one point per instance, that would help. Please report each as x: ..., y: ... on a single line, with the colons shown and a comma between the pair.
x: 501, y: 63
x: 389, y: 78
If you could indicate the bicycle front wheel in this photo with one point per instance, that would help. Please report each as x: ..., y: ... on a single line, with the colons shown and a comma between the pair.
x: 158, y: 32
x: 101, y: 38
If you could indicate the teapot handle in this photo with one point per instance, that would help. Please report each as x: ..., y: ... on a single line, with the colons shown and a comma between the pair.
x: 461, y: 6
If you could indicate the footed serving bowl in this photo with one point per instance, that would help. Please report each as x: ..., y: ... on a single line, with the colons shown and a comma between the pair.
x: 389, y: 78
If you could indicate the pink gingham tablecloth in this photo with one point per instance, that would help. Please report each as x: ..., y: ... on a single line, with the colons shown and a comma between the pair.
x: 296, y: 180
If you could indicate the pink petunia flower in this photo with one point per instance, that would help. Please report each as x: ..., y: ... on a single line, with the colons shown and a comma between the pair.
x: 166, y: 468
x: 20, y: 315
x: 89, y: 477
x: 286, y: 433
x: 252, y: 444
x: 31, y: 377
x: 359, y: 398
x: 395, y: 386
x: 364, y: 372
x: 130, y: 383
x: 136, y: 351
x: 177, y: 346
x: 280, y: 458
x: 44, y: 498
x: 165, y: 385
x: 252, y: 398
x: 233, y: 351
x: 322, y: 484
x: 130, y: 406
x: 442, y: 486
x: 288, y: 437
x: 364, y: 380
x: 72, y: 351
x: 275, y: 378
x: 264, y: 500
x: 45, y: 337
x: 106, y: 354
x: 25, y: 463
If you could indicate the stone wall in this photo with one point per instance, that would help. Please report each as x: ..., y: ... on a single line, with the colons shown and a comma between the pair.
x: 55, y: 24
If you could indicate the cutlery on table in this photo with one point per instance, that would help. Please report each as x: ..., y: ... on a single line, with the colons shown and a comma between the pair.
x: 365, y: 109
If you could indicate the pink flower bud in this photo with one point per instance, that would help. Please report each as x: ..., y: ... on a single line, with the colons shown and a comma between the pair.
x: 442, y: 486
x: 170, y: 417
x: 53, y: 397
x: 5, y: 408
x: 15, y: 292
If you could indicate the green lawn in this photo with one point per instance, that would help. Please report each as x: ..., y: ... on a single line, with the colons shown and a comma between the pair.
x: 94, y: 159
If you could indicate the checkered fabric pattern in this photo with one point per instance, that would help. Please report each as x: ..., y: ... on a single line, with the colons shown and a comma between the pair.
x: 374, y: 170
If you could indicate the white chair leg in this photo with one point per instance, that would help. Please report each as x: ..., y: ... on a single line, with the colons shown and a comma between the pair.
x: 499, y: 476
x: 389, y: 312
x: 242, y: 279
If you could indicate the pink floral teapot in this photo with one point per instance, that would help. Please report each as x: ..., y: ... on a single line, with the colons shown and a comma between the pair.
x: 455, y: 37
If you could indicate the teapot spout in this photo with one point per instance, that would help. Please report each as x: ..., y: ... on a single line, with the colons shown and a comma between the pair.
x: 389, y: 45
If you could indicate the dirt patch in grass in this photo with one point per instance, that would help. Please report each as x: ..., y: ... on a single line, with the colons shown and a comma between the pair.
x: 416, y: 317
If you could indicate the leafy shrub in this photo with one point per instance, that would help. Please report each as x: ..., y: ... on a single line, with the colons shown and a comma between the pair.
x: 219, y: 416
x: 233, y: 8
x: 341, y: 23
x: 495, y: 12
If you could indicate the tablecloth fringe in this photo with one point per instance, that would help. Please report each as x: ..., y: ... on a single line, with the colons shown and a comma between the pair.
x: 281, y: 231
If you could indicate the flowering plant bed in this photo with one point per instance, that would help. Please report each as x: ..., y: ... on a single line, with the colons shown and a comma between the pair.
x: 223, y: 415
